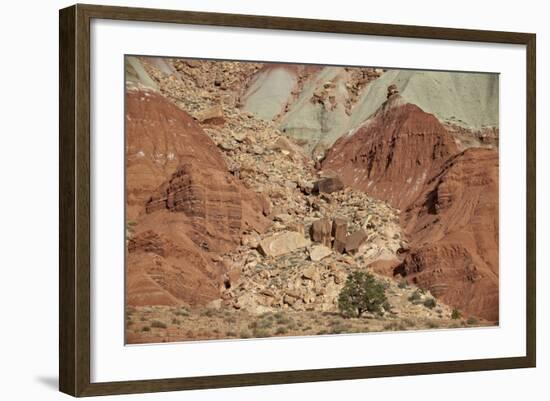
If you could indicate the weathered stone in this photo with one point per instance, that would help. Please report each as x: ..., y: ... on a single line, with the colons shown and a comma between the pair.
x: 309, y: 272
x: 213, y: 115
x: 339, y: 232
x: 239, y: 136
x: 297, y: 227
x: 282, y: 217
x: 355, y: 240
x: 318, y: 252
x: 281, y: 244
x: 328, y: 185
x: 320, y: 231
x: 251, y: 240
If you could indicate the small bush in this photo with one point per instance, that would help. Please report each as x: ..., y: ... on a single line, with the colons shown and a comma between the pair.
x: 259, y: 333
x: 244, y: 334
x: 182, y: 313
x: 430, y: 303
x: 208, y: 312
x: 145, y: 328
x: 471, y: 321
x: 157, y: 324
x: 230, y: 334
x: 361, y: 293
x: 415, y: 296
x: 281, y: 330
x: 403, y: 284
x: 432, y: 325
x: 175, y: 321
x: 455, y: 314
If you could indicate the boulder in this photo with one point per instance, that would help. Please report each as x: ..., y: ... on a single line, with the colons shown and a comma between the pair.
x: 339, y: 232
x: 318, y: 252
x: 281, y: 244
x: 320, y: 231
x: 213, y: 115
x: 355, y: 240
x: 328, y: 185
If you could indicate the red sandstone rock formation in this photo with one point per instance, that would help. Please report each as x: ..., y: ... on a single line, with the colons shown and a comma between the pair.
x: 449, y: 201
x: 393, y: 154
x: 185, y: 206
x: 453, y: 228
x: 159, y: 137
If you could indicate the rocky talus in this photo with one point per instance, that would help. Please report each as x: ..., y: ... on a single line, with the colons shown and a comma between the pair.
x: 233, y: 217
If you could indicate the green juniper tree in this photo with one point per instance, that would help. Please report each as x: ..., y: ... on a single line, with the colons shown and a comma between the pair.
x: 361, y: 292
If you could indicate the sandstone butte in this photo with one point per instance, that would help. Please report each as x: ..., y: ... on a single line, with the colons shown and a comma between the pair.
x: 190, y: 215
x: 448, y: 198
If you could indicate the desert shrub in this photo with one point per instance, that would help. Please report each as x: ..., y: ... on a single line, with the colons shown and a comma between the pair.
x: 182, y: 312
x: 430, y: 303
x: 158, y: 324
x: 403, y: 284
x: 209, y: 312
x: 145, y: 328
x: 175, y: 321
x: 244, y: 334
x: 455, y: 314
x: 281, y: 330
x: 361, y: 293
x: 260, y: 332
x: 432, y: 325
x: 230, y: 334
x: 415, y: 296
x: 395, y: 326
x: 472, y: 321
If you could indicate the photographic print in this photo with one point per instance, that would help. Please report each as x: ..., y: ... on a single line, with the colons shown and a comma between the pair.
x: 268, y: 200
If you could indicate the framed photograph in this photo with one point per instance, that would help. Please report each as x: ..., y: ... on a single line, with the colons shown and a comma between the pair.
x: 250, y: 200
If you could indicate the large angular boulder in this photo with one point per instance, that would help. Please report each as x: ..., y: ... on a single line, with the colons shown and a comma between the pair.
x: 328, y: 185
x: 318, y: 252
x: 321, y: 231
x: 281, y: 244
x: 355, y: 240
x: 339, y: 232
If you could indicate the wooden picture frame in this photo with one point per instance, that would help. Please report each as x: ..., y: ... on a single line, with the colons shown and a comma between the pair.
x: 74, y: 199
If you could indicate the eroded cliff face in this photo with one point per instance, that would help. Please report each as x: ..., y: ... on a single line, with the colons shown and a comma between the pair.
x: 159, y: 137
x: 448, y: 198
x: 184, y: 207
x: 453, y: 227
x: 393, y: 154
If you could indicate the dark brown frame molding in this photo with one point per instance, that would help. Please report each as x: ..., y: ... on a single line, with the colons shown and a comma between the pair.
x: 74, y: 199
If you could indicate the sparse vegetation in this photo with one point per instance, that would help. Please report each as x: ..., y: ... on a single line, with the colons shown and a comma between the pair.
x: 430, y: 303
x: 281, y: 330
x: 472, y: 321
x: 403, y: 284
x: 157, y: 324
x: 455, y: 314
x: 361, y: 293
x: 415, y: 296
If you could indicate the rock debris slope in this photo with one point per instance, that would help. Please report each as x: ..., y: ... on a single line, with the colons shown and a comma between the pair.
x: 237, y: 202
